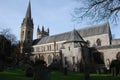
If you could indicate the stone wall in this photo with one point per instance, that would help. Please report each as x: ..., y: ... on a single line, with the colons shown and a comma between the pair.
x: 103, y: 37
x: 109, y: 54
x: 115, y: 41
x: 73, y: 55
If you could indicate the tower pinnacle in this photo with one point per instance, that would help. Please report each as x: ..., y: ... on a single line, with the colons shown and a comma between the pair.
x: 28, y: 13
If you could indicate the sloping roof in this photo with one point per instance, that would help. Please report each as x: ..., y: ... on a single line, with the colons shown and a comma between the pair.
x: 49, y: 39
x: 89, y: 31
x: 95, y: 30
x: 75, y: 36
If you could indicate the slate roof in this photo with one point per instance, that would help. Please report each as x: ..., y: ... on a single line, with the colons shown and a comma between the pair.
x: 85, y: 32
x: 95, y: 30
x: 75, y: 36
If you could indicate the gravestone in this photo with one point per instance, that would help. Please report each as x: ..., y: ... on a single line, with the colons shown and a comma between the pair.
x: 29, y: 72
x: 65, y: 71
x: 115, y: 67
x: 41, y: 72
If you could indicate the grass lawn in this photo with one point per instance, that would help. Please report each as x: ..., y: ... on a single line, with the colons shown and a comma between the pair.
x: 13, y: 75
x: 20, y: 75
x: 79, y: 76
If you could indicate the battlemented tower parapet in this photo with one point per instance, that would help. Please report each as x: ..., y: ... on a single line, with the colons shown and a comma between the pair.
x: 42, y: 33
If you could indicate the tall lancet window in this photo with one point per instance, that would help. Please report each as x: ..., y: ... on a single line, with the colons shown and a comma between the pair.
x: 88, y: 42
x: 49, y: 59
x: 42, y: 57
x: 28, y: 34
x: 98, y: 42
x: 22, y: 35
x: 73, y: 58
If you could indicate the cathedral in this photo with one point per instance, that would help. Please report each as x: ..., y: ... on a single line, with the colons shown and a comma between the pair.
x: 94, y: 43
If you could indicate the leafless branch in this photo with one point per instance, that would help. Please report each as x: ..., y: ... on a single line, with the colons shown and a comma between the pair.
x: 98, y: 10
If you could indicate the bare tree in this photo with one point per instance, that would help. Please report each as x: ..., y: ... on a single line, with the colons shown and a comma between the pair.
x: 8, y: 35
x: 97, y: 10
x: 9, y: 48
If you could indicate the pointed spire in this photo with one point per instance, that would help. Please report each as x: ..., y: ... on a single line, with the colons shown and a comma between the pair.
x: 38, y: 30
x: 28, y: 13
x: 42, y: 28
x: 48, y: 30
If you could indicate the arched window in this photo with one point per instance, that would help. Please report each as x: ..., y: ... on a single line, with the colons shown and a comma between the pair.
x: 88, y: 42
x: 98, y: 42
x: 98, y: 57
x: 50, y: 47
x: 22, y: 35
x: 28, y: 41
x: 43, y: 48
x: 42, y: 57
x: 47, y: 48
x: 65, y: 59
x: 73, y: 59
x: 36, y: 58
x: 37, y: 49
x: 49, y: 59
x: 28, y: 36
x: 56, y: 46
x: 69, y: 48
x: 108, y: 63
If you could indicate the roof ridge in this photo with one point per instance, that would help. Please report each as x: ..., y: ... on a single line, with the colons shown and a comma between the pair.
x: 94, y: 26
x: 89, y: 31
x: 99, y: 25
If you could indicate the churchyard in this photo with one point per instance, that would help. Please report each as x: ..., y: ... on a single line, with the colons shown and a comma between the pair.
x: 19, y: 74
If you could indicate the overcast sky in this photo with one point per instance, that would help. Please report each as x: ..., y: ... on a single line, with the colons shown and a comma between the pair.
x: 53, y: 14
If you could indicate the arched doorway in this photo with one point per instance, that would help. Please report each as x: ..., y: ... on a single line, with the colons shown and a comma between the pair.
x: 108, y: 64
x: 49, y: 59
x: 98, y: 58
x: 41, y: 57
x: 98, y: 42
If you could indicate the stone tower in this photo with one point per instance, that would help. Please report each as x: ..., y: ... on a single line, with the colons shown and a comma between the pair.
x: 39, y: 33
x: 26, y: 32
x: 42, y: 33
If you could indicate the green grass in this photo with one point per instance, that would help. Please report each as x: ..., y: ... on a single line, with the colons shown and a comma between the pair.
x: 79, y: 76
x: 20, y: 75
x: 103, y: 77
x: 13, y: 75
x: 70, y: 76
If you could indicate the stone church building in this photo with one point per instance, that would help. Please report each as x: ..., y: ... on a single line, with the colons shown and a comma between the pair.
x: 94, y: 43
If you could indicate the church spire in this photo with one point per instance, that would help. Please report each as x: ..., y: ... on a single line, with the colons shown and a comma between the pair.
x: 38, y: 30
x: 27, y: 27
x: 28, y: 13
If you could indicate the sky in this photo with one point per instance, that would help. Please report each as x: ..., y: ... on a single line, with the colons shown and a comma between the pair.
x: 53, y: 14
